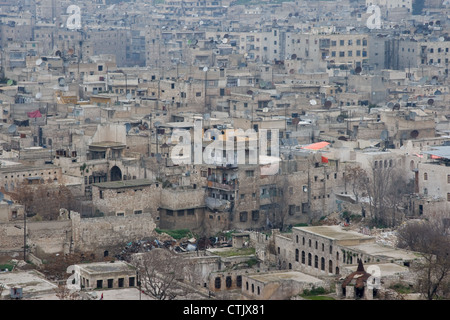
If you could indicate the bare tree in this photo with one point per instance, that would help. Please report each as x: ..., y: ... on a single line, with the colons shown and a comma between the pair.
x: 357, y: 179
x: 385, y: 187
x: 44, y: 200
x: 162, y: 273
x: 432, y: 239
x: 64, y: 293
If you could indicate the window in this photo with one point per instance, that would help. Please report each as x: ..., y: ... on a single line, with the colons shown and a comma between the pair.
x: 448, y: 178
x: 198, y: 94
x: 243, y: 216
x: 322, y: 264
x: 169, y: 212
x: 296, y: 254
x: 309, y: 259
x: 137, y: 211
x: 291, y: 210
x: 255, y: 215
x: 448, y: 196
x: 425, y: 176
x: 316, y: 262
x: 217, y: 283
x: 228, y: 282
x: 239, y: 281
x: 303, y: 257
x: 249, y: 173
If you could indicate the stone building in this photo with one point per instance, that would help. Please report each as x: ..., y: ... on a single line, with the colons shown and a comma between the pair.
x: 325, y: 250
x: 106, y: 275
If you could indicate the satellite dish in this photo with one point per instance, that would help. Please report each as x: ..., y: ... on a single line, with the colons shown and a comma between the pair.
x: 201, y: 22
x: 294, y: 56
x: 430, y: 102
x: 38, y: 95
x: 292, y: 71
x: 312, y: 102
x: 358, y: 70
x: 10, y: 82
x: 396, y: 106
x: 249, y: 92
x: 12, y: 128
x: 328, y: 104
x: 390, y: 105
x: 205, y: 69
x: 265, y: 109
x: 414, y: 134
x: 225, y: 40
x: 62, y: 82
x: 39, y: 62
x: 128, y: 96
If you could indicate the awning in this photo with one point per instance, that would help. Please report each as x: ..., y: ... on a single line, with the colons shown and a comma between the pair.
x: 316, y: 146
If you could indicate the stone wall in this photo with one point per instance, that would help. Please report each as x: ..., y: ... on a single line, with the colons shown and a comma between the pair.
x: 46, y: 236
x: 106, y: 233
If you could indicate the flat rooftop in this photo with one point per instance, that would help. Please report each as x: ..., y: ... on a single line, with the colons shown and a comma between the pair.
x: 31, y: 282
x: 386, y: 269
x: 381, y: 251
x: 106, y: 267
x: 285, y: 276
x: 335, y: 233
x: 124, y: 184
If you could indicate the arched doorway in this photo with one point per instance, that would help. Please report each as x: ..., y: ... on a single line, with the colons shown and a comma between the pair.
x: 116, y: 174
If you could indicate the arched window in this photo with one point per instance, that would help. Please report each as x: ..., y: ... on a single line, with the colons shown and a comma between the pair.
x: 316, y: 262
x: 296, y: 239
x: 296, y: 255
x: 228, y: 282
x: 303, y: 257
x: 309, y: 259
x: 330, y: 266
x: 217, y: 283
x: 303, y: 240
x: 323, y: 247
x: 309, y: 242
x: 322, y: 264
x: 337, y: 270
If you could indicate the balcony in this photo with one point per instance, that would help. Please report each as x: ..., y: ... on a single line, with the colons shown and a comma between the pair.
x: 228, y: 186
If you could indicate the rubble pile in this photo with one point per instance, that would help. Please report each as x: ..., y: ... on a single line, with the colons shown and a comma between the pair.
x: 167, y: 242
